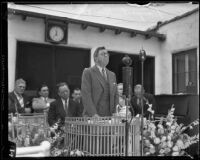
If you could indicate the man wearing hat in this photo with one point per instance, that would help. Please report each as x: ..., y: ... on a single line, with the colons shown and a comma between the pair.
x: 99, y: 88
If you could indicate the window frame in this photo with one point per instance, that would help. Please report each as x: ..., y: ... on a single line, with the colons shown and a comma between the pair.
x: 183, y: 52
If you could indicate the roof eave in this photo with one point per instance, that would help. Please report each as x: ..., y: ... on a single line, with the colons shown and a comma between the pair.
x: 93, y: 24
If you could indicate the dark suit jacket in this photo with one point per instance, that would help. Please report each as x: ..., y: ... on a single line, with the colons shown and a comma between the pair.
x: 80, y: 107
x: 92, y: 89
x: 57, y: 111
x: 12, y: 100
x: 137, y: 108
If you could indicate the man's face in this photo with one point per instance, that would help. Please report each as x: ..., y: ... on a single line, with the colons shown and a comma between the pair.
x: 138, y: 91
x: 20, y: 88
x: 103, y: 58
x: 120, y: 89
x: 44, y: 92
x: 64, y: 92
x: 77, y: 95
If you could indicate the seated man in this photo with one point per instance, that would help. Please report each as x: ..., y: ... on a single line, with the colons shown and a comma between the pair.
x: 78, y: 99
x: 18, y: 102
x: 63, y: 106
x: 42, y: 103
x: 148, y: 101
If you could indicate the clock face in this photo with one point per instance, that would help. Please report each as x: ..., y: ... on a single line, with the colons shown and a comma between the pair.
x: 56, y: 33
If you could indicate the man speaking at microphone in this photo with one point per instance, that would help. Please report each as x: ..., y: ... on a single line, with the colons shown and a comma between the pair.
x: 99, y: 88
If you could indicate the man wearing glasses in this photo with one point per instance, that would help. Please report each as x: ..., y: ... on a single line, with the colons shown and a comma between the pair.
x: 99, y: 88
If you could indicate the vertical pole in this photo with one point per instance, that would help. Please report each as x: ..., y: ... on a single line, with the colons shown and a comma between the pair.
x: 142, y: 116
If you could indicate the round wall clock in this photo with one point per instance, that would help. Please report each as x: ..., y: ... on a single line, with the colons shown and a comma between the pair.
x: 56, y: 33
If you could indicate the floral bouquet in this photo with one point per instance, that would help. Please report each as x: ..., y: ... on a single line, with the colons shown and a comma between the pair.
x: 165, y: 137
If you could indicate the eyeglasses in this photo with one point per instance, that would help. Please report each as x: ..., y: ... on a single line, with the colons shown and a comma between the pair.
x: 104, y: 54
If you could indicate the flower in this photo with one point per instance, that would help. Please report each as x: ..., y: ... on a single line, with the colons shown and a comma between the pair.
x: 175, y: 153
x: 175, y: 148
x: 157, y: 140
x: 164, y: 138
x: 168, y: 136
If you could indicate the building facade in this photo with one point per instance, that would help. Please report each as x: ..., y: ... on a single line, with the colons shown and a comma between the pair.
x: 31, y: 56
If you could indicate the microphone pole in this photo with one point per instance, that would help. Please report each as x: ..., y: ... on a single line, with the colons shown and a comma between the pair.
x: 127, y: 83
x: 142, y: 57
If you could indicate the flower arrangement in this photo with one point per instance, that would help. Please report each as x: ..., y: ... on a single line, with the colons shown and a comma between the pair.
x: 58, y: 148
x: 26, y: 134
x: 166, y: 137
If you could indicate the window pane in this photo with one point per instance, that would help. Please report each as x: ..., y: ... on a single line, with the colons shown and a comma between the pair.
x: 192, y: 62
x: 181, y: 82
x: 180, y: 64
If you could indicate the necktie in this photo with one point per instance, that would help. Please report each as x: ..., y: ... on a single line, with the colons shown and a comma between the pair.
x: 45, y: 99
x: 104, y: 74
x: 66, y: 106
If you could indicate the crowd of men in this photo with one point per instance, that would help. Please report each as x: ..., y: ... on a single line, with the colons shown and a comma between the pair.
x: 100, y: 95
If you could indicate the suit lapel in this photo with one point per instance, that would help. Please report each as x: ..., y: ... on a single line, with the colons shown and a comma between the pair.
x: 98, y: 75
x: 110, y: 80
x: 61, y: 108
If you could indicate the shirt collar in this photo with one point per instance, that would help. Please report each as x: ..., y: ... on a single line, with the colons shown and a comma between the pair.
x: 100, y: 68
x: 63, y: 101
x: 17, y: 95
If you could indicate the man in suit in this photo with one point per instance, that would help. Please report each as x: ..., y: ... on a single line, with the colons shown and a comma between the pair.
x: 63, y: 106
x: 148, y: 101
x: 78, y: 99
x: 99, y: 88
x: 18, y: 102
x: 42, y: 103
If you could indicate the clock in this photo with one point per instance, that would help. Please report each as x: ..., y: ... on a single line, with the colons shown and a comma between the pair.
x: 56, y: 32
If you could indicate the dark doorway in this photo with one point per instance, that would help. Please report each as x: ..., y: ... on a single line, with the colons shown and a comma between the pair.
x: 115, y: 64
x: 50, y: 64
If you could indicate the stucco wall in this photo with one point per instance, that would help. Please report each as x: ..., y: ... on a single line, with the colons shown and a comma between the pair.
x: 32, y: 30
x: 182, y: 34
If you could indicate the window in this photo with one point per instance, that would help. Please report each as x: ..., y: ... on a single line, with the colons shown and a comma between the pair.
x: 185, y: 71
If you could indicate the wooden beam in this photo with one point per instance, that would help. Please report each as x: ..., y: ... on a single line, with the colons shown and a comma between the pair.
x: 102, y: 29
x: 84, y: 26
x: 133, y: 34
x: 148, y: 36
x: 24, y: 17
x: 118, y: 31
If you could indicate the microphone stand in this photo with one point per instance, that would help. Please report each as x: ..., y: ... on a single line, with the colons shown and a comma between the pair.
x: 142, y: 58
x: 127, y: 78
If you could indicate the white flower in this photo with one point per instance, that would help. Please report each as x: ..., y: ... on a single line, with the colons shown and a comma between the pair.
x: 157, y: 140
x: 169, y: 137
x: 175, y: 148
x: 163, y: 138
x: 173, y: 127
x: 169, y: 144
x: 71, y: 152
x: 175, y: 153
x: 168, y: 123
x: 179, y: 143
x: 162, y: 151
x: 152, y: 150
x: 160, y: 126
x: 147, y: 153
x: 78, y: 153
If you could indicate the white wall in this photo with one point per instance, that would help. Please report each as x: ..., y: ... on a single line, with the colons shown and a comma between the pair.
x: 33, y: 30
x: 182, y: 34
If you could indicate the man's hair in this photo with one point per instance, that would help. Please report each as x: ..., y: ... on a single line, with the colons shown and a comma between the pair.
x: 40, y: 87
x: 139, y: 85
x: 76, y: 89
x: 120, y: 84
x: 60, y: 85
x: 18, y: 81
x: 96, y: 52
